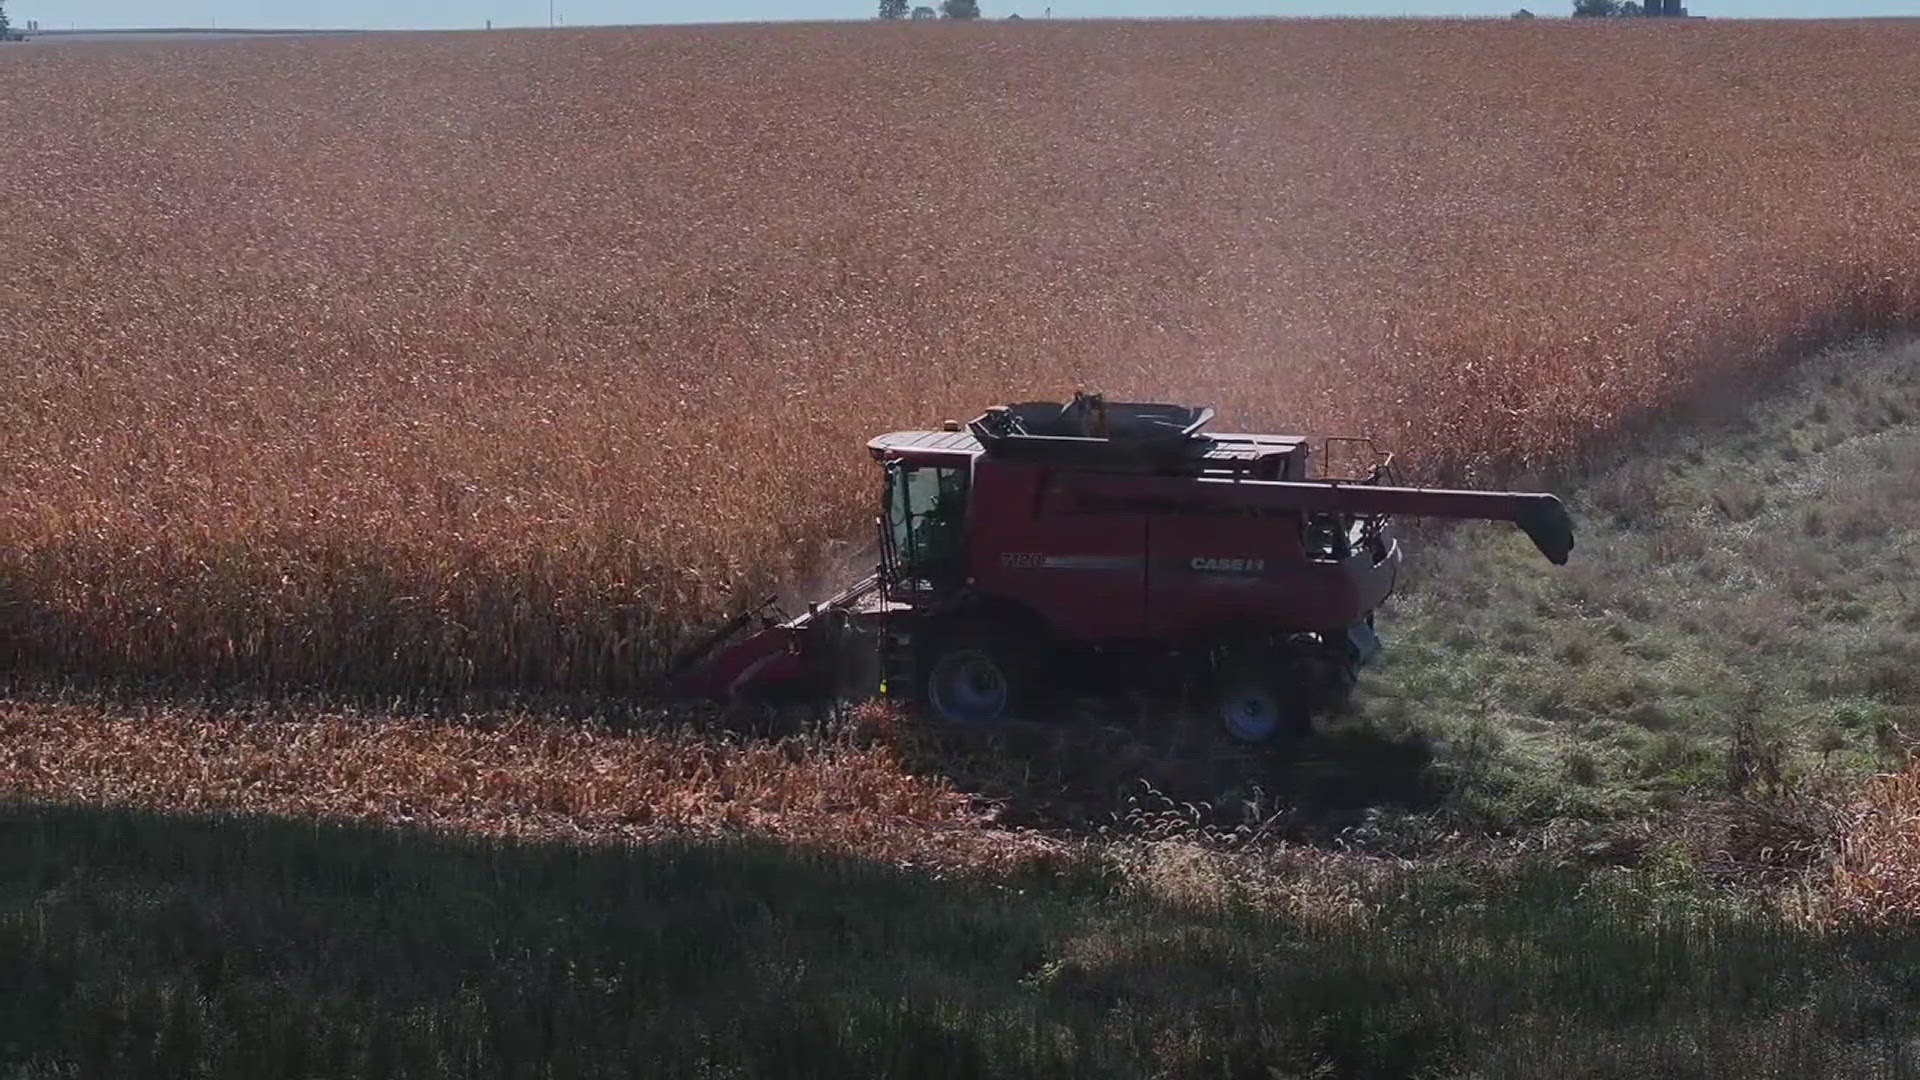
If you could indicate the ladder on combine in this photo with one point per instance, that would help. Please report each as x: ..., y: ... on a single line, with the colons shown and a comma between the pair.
x: 898, y: 673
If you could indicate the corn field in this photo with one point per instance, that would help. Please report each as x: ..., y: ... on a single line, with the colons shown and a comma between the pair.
x: 355, y: 386
x: 509, y: 359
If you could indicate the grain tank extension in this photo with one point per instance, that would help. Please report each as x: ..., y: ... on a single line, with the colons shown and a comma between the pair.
x: 1108, y: 544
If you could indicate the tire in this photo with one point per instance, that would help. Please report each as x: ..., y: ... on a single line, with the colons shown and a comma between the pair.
x: 972, y: 679
x: 1261, y: 704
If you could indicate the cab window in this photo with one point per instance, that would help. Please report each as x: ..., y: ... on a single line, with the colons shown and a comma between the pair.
x: 926, y: 513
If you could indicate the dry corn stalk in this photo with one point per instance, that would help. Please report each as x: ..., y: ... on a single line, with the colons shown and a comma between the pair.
x: 467, y: 360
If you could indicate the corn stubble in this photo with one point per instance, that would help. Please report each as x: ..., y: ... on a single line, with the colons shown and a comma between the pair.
x: 1876, y: 874
x: 509, y: 775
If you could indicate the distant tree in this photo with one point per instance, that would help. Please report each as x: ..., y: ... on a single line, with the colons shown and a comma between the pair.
x: 4, y: 24
x: 893, y: 9
x: 1630, y: 9
x: 1595, y: 9
x: 924, y: 12
x: 960, y: 9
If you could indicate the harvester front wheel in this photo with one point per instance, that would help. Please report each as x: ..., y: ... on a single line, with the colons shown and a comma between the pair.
x: 1260, y: 705
x: 972, y: 679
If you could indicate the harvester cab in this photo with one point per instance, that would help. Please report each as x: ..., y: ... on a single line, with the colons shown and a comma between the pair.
x: 1044, y: 543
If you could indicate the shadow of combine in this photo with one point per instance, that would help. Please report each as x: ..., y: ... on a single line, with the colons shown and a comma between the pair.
x: 147, y: 945
x: 1086, y: 773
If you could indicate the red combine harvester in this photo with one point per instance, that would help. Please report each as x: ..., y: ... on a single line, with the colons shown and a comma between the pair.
x: 1044, y: 543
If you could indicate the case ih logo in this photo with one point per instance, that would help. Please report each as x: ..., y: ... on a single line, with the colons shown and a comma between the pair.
x: 1236, y: 566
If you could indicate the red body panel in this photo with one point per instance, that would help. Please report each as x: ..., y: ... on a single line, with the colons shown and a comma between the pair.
x: 1091, y: 557
x: 1084, y: 572
x: 1210, y: 572
x: 768, y: 657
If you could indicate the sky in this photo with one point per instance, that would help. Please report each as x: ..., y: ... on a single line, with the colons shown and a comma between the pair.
x: 472, y: 14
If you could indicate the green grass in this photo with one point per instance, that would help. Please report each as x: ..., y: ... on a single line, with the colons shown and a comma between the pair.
x: 1756, y: 569
x: 142, y: 946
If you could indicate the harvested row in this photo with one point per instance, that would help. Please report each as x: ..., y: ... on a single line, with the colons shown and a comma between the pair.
x: 1876, y: 876
x: 852, y: 792
x: 502, y: 775
x: 473, y: 360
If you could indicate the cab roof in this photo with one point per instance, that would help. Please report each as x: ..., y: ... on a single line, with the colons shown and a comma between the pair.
x: 926, y: 447
x: 1230, y: 452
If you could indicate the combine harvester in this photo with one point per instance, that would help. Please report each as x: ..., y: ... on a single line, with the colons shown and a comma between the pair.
x: 1111, y: 544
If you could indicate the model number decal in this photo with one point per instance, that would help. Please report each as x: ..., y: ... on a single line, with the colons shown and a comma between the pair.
x: 1026, y: 560
x: 1021, y: 560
